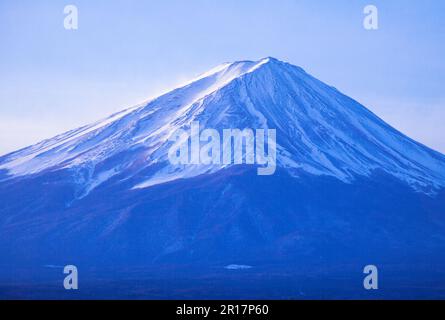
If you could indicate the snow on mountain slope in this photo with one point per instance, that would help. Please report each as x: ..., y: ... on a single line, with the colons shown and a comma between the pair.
x: 319, y: 131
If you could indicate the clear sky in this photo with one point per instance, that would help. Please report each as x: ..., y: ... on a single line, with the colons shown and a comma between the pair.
x: 124, y: 51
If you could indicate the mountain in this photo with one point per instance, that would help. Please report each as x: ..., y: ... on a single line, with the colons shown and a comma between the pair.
x: 348, y: 190
x: 320, y: 131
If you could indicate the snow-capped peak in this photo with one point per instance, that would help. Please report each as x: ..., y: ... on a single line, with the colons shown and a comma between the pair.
x: 319, y: 131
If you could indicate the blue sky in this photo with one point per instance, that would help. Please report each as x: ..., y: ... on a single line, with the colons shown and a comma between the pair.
x: 52, y: 79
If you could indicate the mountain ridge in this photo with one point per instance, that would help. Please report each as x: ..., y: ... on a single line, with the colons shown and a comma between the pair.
x: 348, y: 191
x: 321, y: 130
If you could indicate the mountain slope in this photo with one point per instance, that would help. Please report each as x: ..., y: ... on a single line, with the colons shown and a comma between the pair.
x: 349, y: 190
x: 319, y: 131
